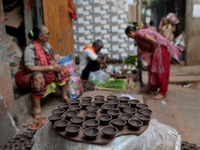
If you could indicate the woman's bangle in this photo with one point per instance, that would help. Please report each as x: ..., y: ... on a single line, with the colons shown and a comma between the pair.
x: 52, y: 68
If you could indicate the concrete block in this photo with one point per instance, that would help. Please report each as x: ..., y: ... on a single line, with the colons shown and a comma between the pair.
x: 113, y: 8
x: 114, y: 19
x: 81, y: 39
x: 124, y: 45
x: 98, y: 37
x: 126, y: 20
x: 115, y: 56
x: 86, y: 32
x: 80, y: 20
x: 89, y: 27
x: 86, y: 13
x: 89, y: 17
x: 90, y: 36
x: 124, y: 55
x: 87, y: 42
x: 74, y: 27
x: 114, y: 28
x: 75, y: 37
x: 115, y: 47
x: 102, y: 2
x: 120, y: 21
x: 86, y: 22
x: 86, y: 3
x: 80, y: 10
x: 106, y: 36
x: 88, y: 7
x: 106, y: 16
x: 106, y: 45
x: 107, y: 26
x: 97, y: 1
x: 92, y: 21
x: 75, y: 46
x: 97, y: 19
x: 104, y: 41
x: 115, y: 38
x: 121, y: 31
x: 121, y: 50
x: 103, y: 22
x: 97, y: 29
x: 81, y: 29
x: 91, y: 1
x: 103, y: 12
x: 81, y: 48
x: 123, y: 26
x: 103, y: 31
x: 123, y: 36
x: 121, y: 40
x: 91, y: 11
x: 131, y: 47
x: 123, y: 16
x: 97, y: 9
x: 105, y: 7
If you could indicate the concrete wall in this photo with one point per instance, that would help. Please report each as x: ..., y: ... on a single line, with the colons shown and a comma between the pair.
x: 192, y: 34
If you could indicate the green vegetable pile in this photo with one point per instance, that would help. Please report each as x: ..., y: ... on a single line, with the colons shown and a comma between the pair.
x: 113, y: 83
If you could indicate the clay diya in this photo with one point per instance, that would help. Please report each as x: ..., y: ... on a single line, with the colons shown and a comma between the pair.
x: 77, y: 120
x: 118, y: 123
x: 122, y: 106
x: 17, y: 148
x: 18, y: 136
x: 33, y: 131
x: 109, y: 132
x: 144, y: 119
x: 130, y: 110
x: 133, y: 102
x: 28, y: 146
x: 91, y: 133
x: 70, y: 114
x: 12, y: 140
x: 25, y: 134
x: 113, y: 102
x: 124, y: 99
x: 104, y: 119
x: 29, y: 136
x: 92, y: 123
x: 19, y: 143
x: 183, y: 143
x: 54, y: 118
x: 185, y: 147
x: 92, y: 108
x: 106, y: 107
x: 58, y: 111
x: 110, y: 97
x: 87, y: 98
x: 64, y: 106
x: 22, y: 139
x: 135, y: 124
x: 198, y: 148
x: 126, y: 116
x: 84, y: 104
x: 99, y: 97
x: 74, y: 102
x: 73, y: 130
x: 61, y: 125
x: 113, y: 113
x: 75, y: 107
x: 27, y: 141
x: 91, y: 114
x: 99, y: 102
x: 146, y: 112
x: 142, y: 106
x: 193, y: 146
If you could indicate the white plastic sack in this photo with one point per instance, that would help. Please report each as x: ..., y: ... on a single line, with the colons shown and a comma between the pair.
x: 98, y: 77
x: 156, y: 137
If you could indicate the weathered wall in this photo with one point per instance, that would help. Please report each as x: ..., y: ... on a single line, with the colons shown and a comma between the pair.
x: 192, y: 34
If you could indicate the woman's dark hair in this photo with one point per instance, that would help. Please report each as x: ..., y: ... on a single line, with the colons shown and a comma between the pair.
x: 151, y: 23
x: 38, y: 29
x: 129, y: 28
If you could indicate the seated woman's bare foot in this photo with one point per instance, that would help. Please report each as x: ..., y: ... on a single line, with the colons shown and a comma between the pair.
x: 159, y: 97
x: 36, y: 113
x: 145, y: 90
x: 64, y: 99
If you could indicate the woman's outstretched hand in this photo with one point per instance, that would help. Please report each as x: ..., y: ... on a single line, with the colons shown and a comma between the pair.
x: 57, y: 67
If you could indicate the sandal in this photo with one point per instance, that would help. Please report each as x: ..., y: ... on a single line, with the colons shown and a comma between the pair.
x: 42, y: 120
x: 159, y: 97
x: 36, y: 114
x: 34, y: 126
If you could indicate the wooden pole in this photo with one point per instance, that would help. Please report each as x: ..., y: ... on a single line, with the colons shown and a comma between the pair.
x: 139, y: 15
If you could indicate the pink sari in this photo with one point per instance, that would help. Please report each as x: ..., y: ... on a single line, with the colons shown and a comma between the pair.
x: 155, y: 61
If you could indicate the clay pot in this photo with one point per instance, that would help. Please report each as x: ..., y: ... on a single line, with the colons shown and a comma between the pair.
x: 104, y: 119
x: 22, y: 139
x: 133, y: 102
x: 113, y: 102
x: 120, y: 60
x: 122, y: 106
x: 64, y: 106
x: 58, y: 111
x: 61, y: 125
x: 130, y: 110
x: 142, y: 106
x: 124, y: 99
x: 91, y: 114
x: 110, y: 97
x: 70, y: 114
x: 77, y: 120
x: 183, y: 143
x: 146, y: 112
x: 99, y: 97
x: 109, y: 132
x: 135, y: 124
x: 88, y: 98
x: 91, y: 133
x: 126, y: 116
x: 99, y: 102
x: 54, y: 118
x: 114, y: 113
x: 84, y: 104
x: 75, y: 102
x: 28, y: 146
x: 106, y: 107
x: 17, y: 148
x: 27, y: 141
x: 29, y: 136
x: 118, y: 123
x: 18, y: 136
x: 75, y: 107
x: 144, y: 119
x: 193, y: 146
x: 92, y: 108
x: 73, y: 130
x: 12, y: 140
x: 9, y: 145
x: 92, y: 123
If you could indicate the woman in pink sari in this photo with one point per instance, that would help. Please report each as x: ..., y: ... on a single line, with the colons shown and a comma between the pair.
x: 156, y: 50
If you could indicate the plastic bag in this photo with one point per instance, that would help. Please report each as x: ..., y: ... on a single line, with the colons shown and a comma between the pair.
x: 98, y: 77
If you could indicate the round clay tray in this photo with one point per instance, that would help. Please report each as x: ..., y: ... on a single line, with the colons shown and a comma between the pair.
x: 106, y: 107
x: 130, y: 110
x: 92, y: 108
x: 144, y: 119
x: 84, y: 104
x: 54, y: 118
x: 109, y: 132
x: 73, y: 130
x: 126, y: 116
x: 104, y: 119
x: 91, y: 123
x: 70, y: 114
x: 77, y: 120
x: 91, y: 114
x: 122, y: 106
x: 58, y: 111
x: 64, y: 106
x: 61, y: 125
x: 111, y: 97
x: 135, y: 124
x: 28, y: 146
x: 133, y: 102
x: 99, y: 97
x: 113, y: 102
x: 146, y: 112
x: 142, y: 106
x: 75, y: 102
x: 87, y: 98
x: 91, y: 133
x: 99, y: 102
x: 118, y: 123
x: 113, y: 113
x: 75, y: 107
